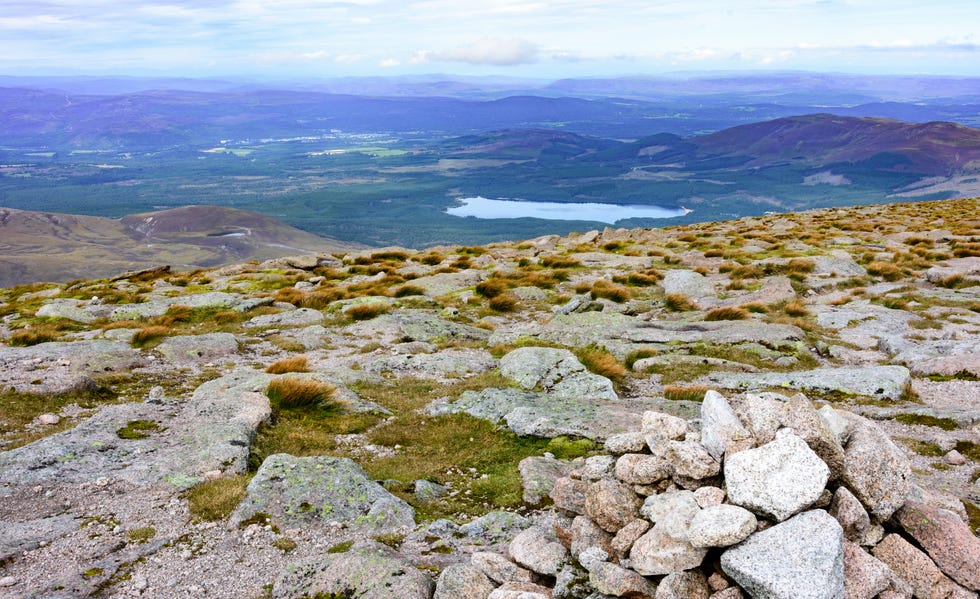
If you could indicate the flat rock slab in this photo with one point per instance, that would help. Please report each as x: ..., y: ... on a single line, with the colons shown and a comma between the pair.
x: 418, y: 325
x: 360, y: 574
x: 721, y: 331
x: 687, y: 282
x: 17, y: 537
x: 801, y: 558
x: 539, y: 415
x: 557, y: 372
x: 211, y: 432
x: 195, y: 348
x: 881, y: 382
x: 445, y: 363
x: 159, y: 306
x: 449, y: 282
x: 322, y: 493
x: 293, y: 318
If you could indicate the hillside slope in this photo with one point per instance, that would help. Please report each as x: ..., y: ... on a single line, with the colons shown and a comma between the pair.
x: 42, y: 246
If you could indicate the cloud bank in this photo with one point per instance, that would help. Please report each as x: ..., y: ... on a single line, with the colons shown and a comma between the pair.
x: 490, y: 51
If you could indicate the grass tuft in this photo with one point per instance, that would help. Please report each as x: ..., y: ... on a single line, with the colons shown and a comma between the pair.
x: 727, y: 313
x: 148, y: 336
x: 599, y: 361
x: 294, y: 364
x: 610, y: 291
x: 685, y: 393
x: 289, y: 393
x: 367, y: 311
x: 214, y: 500
x: 678, y: 302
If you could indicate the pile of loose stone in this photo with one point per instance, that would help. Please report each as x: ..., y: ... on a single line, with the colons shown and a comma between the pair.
x: 770, y: 498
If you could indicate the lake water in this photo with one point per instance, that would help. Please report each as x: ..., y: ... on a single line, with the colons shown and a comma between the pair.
x: 481, y: 207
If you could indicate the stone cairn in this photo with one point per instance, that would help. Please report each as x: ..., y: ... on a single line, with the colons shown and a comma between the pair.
x: 771, y: 498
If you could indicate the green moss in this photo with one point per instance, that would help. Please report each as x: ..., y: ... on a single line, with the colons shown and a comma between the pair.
x: 137, y: 429
x: 391, y: 540
x: 141, y: 535
x: 969, y: 449
x: 341, y: 547
x: 284, y: 544
x: 922, y: 448
x: 93, y: 572
x: 214, y: 500
x: 565, y: 448
x: 973, y: 512
x: 947, y: 424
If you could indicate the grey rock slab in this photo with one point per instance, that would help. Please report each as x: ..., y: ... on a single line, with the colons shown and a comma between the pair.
x: 875, y: 469
x: 801, y: 558
x: 17, y: 537
x: 315, y: 492
x: 538, y: 476
x: 77, y: 310
x: 446, y: 283
x: 441, y: 364
x: 689, y: 459
x: 539, y: 415
x: 556, y: 371
x: 800, y: 415
x: 499, y: 569
x: 361, y: 574
x: 421, y: 325
x: 722, y: 331
x: 777, y: 479
x: 494, y: 527
x: 721, y: 526
x: 210, y: 432
x: 159, y: 306
x: 720, y: 427
x: 538, y: 550
x: 880, y: 382
x: 294, y: 318
x: 673, y: 360
x: 462, y: 581
x: 687, y: 282
x: 195, y: 348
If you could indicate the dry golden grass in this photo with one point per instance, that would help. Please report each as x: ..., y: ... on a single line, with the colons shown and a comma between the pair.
x: 505, y: 302
x: 796, y: 308
x: 293, y: 364
x: 34, y: 335
x: 678, y: 302
x: 367, y: 311
x: 610, y: 291
x: 289, y: 393
x: 685, y: 392
x: 727, y: 313
x: 492, y: 287
x: 601, y: 362
x: 215, y: 500
x: 885, y: 270
x: 148, y: 335
x: 407, y: 290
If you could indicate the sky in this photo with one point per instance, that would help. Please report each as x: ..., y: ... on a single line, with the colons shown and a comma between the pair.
x: 545, y: 39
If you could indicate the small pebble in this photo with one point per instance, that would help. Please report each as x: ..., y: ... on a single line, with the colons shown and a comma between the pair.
x: 955, y: 458
x: 49, y: 419
x: 8, y: 581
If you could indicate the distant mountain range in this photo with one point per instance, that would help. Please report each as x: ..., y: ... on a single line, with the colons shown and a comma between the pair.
x: 43, y: 246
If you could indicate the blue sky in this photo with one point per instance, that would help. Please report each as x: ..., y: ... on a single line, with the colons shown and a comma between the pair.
x: 527, y: 38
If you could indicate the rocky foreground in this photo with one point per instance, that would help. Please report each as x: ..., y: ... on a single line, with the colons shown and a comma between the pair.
x: 772, y: 407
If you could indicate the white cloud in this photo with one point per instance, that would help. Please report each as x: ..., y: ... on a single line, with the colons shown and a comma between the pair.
x: 388, y: 63
x: 491, y: 51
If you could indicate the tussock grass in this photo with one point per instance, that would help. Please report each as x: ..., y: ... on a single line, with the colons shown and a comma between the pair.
x: 727, y: 313
x: 885, y: 270
x: 505, y: 302
x: 638, y: 354
x: 492, y: 287
x: 290, y: 393
x: 560, y: 262
x: 149, y: 336
x: 407, y: 290
x: 34, y: 335
x: 678, y: 302
x: 685, y: 393
x: 293, y: 364
x: 215, y: 500
x: 610, y: 291
x: 599, y: 361
x: 367, y: 311
x: 796, y: 308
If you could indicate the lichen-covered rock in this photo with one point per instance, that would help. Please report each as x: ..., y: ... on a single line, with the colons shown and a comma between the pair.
x: 195, y: 348
x: 946, y: 538
x: 364, y: 574
x: 557, y: 371
x: 641, y: 469
x: 293, y: 318
x: 18, y: 537
x: 778, y: 479
x: 687, y: 282
x: 586, y: 534
x: 662, y: 425
x: 314, y: 492
x: 683, y: 585
x: 721, y: 430
x: 880, y: 382
x: 760, y: 413
x: 800, y: 415
x: 690, y: 459
x: 864, y: 575
x: 597, y: 467
x: 538, y: 476
x: 618, y: 581
x: 627, y: 535
x: 611, y: 504
x: 721, y: 526
x: 851, y: 515
x: 628, y: 442
x: 499, y: 569
x: 915, y: 568
x: 538, y: 550
x: 520, y: 590
x: 569, y: 494
x: 665, y: 548
x: 462, y: 581
x: 801, y: 558
x: 875, y: 470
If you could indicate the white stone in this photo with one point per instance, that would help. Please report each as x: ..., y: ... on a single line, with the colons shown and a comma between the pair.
x: 721, y: 526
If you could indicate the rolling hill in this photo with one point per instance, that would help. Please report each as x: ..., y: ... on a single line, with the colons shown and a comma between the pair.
x: 43, y: 246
